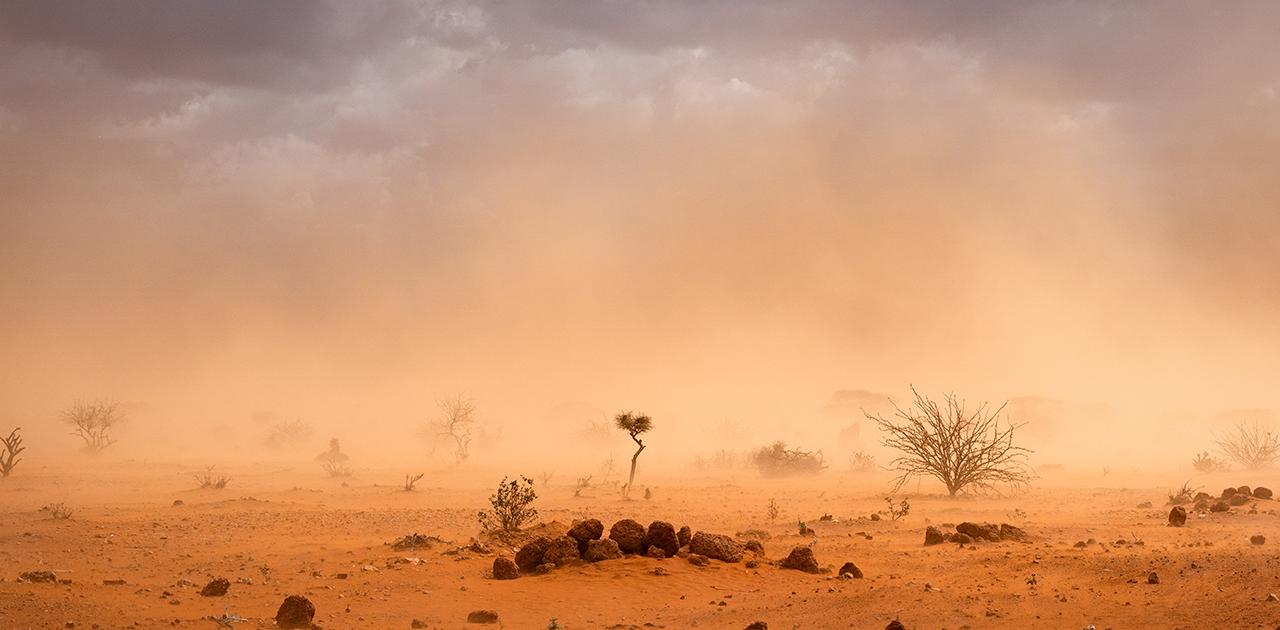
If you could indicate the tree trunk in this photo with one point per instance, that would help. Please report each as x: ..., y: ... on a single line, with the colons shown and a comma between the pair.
x: 632, y: 478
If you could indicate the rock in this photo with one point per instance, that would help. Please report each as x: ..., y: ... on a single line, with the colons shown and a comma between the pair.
x: 758, y: 625
x: 699, y: 560
x: 178, y: 503
x: 563, y: 551
x: 1010, y: 532
x: 217, y: 587
x: 895, y: 625
x: 933, y: 536
x: 1271, y: 597
x: 1202, y: 496
x: 629, y: 535
x: 875, y: 516
x: 585, y: 531
x: 1202, y: 505
x: 1245, y: 490
x: 546, y: 567
x: 754, y: 546
x: 505, y: 568
x: 662, y: 535
x: 1145, y: 505
x: 960, y: 539
x: 850, y: 568
x: 603, y: 549
x: 1219, y: 506
x: 418, y: 623
x: 1227, y: 492
x: 1152, y: 578
x: 1238, y: 499
x: 38, y: 577
x: 684, y: 535
x: 1262, y: 493
x: 1258, y: 539
x: 1177, y: 516
x: 295, y: 612
x: 482, y: 616
x: 985, y: 531
x: 801, y: 559
x: 655, y: 553
x: 530, y: 555
x: 717, y: 546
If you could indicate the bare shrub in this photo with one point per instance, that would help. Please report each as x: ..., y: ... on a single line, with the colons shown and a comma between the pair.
x: 1183, y: 495
x: 961, y: 448
x: 411, y: 480
x: 1206, y: 463
x: 12, y: 449
x: 582, y: 484
x: 596, y: 431
x: 208, y: 480
x: 287, y: 434
x: 861, y: 462
x: 334, y: 461
x: 773, y: 510
x: 1251, y: 446
x: 635, y: 425
x: 510, y: 507
x: 455, y: 425
x: 896, y: 511
x: 92, y: 423
x: 776, y: 460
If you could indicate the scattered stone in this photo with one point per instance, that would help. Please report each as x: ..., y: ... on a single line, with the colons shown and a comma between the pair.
x: 895, y: 625
x: 1262, y: 493
x: 1238, y: 499
x: 414, y: 541
x: 1219, y: 506
x: 1258, y: 539
x: 801, y: 559
x: 1010, y: 532
x: 178, y: 503
x: 563, y: 551
x: 1227, y: 492
x: 585, y: 531
x: 1245, y: 490
x: 934, y: 536
x: 217, y: 587
x: 418, y: 623
x: 662, y: 535
x: 758, y: 625
x: 656, y: 553
x: 1271, y: 597
x: 699, y: 560
x: 850, y: 568
x: 875, y: 516
x: 660, y: 571
x: 684, y: 535
x: 985, y: 531
x: 602, y: 549
x: 717, y: 546
x: 530, y: 555
x: 1145, y: 505
x: 961, y: 538
x: 1152, y: 578
x: 295, y: 612
x: 505, y: 568
x: 38, y: 577
x: 754, y: 546
x: 482, y: 616
x: 629, y: 535
x: 1177, y: 516
x: 546, y: 567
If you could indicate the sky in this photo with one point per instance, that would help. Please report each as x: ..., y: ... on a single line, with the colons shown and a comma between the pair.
x: 705, y: 210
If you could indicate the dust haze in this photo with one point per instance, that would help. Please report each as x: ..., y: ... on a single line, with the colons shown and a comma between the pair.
x: 719, y: 214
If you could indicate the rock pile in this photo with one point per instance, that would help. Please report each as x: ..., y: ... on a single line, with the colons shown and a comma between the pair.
x: 968, y: 533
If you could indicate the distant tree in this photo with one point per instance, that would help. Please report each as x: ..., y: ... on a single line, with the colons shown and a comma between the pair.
x: 455, y: 424
x: 92, y: 423
x: 9, y: 455
x: 334, y: 461
x: 635, y: 425
x: 962, y: 448
x: 1251, y: 446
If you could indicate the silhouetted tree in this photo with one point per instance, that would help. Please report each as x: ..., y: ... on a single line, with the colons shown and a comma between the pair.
x: 456, y: 422
x: 92, y: 422
x: 9, y: 455
x: 1251, y: 446
x: 634, y: 425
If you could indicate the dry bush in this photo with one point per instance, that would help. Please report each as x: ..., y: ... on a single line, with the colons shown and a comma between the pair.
x: 456, y: 422
x: 1183, y: 495
x: 862, y: 462
x: 12, y: 449
x: 1251, y: 446
x: 896, y: 511
x: 286, y: 434
x: 208, y: 480
x: 334, y: 461
x: 411, y: 480
x: 1206, y: 463
x: 58, y: 511
x: 635, y: 425
x: 776, y: 460
x: 961, y: 448
x: 773, y: 510
x: 92, y: 423
x: 510, y: 507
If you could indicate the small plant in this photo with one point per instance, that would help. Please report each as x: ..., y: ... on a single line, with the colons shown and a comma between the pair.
x: 546, y: 479
x: 554, y: 625
x: 410, y: 481
x: 773, y: 510
x: 861, y: 462
x: 582, y: 484
x: 58, y: 511
x: 334, y: 461
x: 12, y: 448
x: 635, y: 425
x: 776, y: 460
x: 1251, y: 446
x: 511, y: 506
x: 895, y: 512
x: 1183, y: 495
x: 1206, y: 463
x: 804, y: 529
x: 207, y: 480
x: 92, y: 423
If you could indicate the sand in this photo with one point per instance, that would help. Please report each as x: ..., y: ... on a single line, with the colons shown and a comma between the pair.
x: 129, y: 558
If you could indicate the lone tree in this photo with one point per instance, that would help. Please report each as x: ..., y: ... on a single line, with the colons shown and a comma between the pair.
x: 12, y: 447
x: 961, y: 448
x: 457, y: 419
x: 634, y: 425
x: 93, y: 422
x: 1251, y: 446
